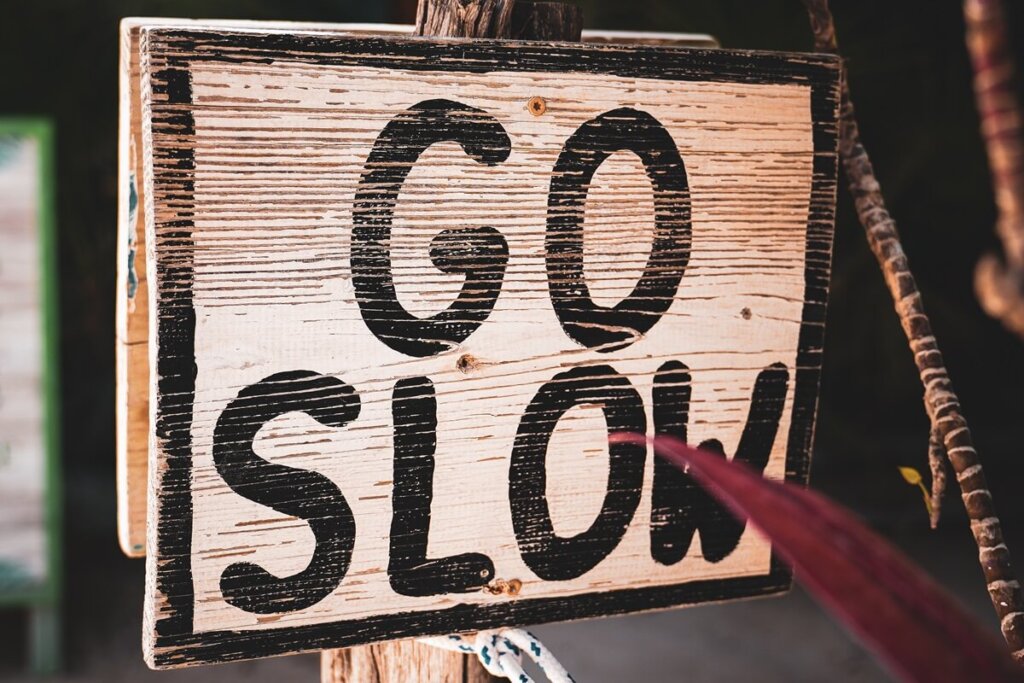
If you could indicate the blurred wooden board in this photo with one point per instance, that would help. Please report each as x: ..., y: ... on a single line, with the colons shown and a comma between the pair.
x: 132, y: 306
x: 29, y: 499
x: 372, y: 413
x: 132, y: 336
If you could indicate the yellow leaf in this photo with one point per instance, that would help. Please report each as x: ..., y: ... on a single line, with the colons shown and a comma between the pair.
x: 911, y: 476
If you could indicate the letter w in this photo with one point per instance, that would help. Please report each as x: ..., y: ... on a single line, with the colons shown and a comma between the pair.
x: 680, y: 505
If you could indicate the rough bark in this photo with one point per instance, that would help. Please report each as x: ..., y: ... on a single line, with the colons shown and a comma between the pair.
x: 948, y: 424
x: 404, y: 661
x: 464, y: 18
x: 937, y: 465
x: 400, y: 661
x: 1000, y: 282
x: 546, y: 21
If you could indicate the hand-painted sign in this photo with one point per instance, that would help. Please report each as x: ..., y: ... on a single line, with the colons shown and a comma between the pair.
x: 132, y: 341
x: 404, y: 289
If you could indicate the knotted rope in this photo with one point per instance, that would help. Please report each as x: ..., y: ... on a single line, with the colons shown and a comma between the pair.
x: 501, y: 653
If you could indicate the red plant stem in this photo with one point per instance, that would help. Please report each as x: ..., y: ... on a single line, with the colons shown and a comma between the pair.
x: 896, y: 610
x: 941, y: 402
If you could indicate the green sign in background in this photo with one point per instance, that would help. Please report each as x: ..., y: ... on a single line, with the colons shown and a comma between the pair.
x: 18, y: 588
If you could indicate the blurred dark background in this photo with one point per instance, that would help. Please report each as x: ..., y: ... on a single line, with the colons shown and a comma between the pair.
x: 911, y: 82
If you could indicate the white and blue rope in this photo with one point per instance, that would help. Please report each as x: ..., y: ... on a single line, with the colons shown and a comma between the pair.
x: 501, y: 653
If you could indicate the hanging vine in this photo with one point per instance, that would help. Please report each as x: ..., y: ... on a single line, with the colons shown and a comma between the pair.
x: 950, y: 436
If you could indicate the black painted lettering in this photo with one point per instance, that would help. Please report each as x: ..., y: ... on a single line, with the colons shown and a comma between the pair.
x: 414, y: 408
x: 300, y: 493
x: 552, y: 557
x: 671, y: 521
x: 480, y: 254
x: 681, y: 506
x: 587, y: 323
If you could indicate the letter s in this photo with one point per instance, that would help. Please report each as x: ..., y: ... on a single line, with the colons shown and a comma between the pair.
x: 288, y: 490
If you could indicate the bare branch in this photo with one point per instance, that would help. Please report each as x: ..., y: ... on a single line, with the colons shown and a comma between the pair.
x: 1000, y: 286
x: 948, y: 424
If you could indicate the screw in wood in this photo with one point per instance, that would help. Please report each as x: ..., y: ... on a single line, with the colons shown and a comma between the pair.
x: 537, y: 106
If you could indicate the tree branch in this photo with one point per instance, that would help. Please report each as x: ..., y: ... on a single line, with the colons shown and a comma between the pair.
x: 948, y: 424
x: 999, y: 284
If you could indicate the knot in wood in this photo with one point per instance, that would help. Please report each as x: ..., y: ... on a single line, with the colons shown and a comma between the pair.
x: 511, y: 588
x: 467, y: 363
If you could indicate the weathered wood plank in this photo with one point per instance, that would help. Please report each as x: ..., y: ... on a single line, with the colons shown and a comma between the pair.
x: 504, y: 19
x: 132, y: 350
x: 342, y: 395
x: 132, y: 335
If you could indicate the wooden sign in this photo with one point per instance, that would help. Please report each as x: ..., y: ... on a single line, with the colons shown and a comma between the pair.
x: 29, y: 509
x: 401, y: 290
x: 132, y: 338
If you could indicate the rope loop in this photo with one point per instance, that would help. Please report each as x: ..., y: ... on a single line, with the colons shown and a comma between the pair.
x: 501, y: 653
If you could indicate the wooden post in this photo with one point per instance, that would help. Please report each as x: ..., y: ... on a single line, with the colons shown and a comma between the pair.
x: 404, y: 661
x: 401, y: 661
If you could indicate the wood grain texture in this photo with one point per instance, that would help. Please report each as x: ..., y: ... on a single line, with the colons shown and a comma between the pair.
x: 23, y: 537
x: 526, y: 21
x: 132, y: 338
x: 545, y: 21
x: 256, y: 149
x: 132, y: 305
x: 399, y: 660
x: 465, y: 19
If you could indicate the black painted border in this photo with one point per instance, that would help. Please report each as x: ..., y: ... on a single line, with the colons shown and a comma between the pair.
x: 172, y: 639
